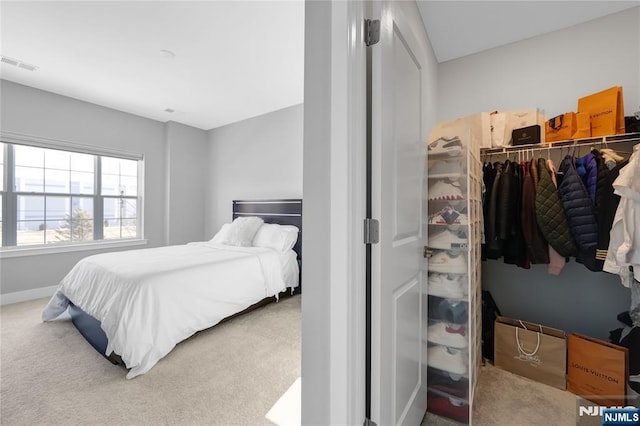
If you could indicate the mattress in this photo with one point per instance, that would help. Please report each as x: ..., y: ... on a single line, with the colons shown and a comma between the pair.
x: 149, y: 300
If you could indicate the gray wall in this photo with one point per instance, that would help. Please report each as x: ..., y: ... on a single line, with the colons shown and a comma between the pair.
x: 257, y: 158
x: 186, y: 178
x: 551, y: 72
x: 34, y: 112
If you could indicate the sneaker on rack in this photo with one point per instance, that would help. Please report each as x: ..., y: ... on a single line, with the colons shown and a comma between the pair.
x: 448, y: 240
x: 448, y: 216
x: 451, y: 146
x: 446, y: 359
x: 453, y: 336
x: 442, y: 190
x: 451, y: 168
x: 447, y: 406
x: 448, y: 263
x: 447, y: 286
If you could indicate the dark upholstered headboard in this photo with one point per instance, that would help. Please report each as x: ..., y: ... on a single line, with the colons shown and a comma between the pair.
x: 282, y: 212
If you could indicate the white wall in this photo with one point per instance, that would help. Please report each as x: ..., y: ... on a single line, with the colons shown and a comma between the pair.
x: 258, y: 158
x: 551, y: 72
x: 186, y: 177
x: 35, y: 112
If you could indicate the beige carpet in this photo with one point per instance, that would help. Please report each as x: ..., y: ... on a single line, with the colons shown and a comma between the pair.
x: 229, y: 375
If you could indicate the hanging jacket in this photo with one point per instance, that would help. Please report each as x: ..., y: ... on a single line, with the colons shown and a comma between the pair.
x: 494, y: 245
x: 488, y: 174
x: 505, y: 202
x: 587, y: 169
x: 537, y: 246
x: 556, y: 261
x: 515, y: 248
x: 550, y: 214
x: 603, y: 188
x: 578, y: 209
x: 608, y: 203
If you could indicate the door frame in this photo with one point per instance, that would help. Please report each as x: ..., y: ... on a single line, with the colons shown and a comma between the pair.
x: 333, y: 273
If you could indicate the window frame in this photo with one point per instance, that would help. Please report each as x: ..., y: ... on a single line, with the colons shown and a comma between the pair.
x: 8, y: 245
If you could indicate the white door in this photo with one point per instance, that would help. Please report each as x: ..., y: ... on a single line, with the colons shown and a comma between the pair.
x: 398, y: 317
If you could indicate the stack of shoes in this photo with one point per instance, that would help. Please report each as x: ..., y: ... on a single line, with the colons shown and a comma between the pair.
x: 447, y: 286
x: 453, y: 384
x: 448, y: 240
x: 452, y: 408
x: 450, y: 168
x: 448, y: 262
x: 443, y: 145
x: 445, y: 191
x: 449, y: 310
x: 451, y: 335
x: 447, y: 359
x: 448, y: 216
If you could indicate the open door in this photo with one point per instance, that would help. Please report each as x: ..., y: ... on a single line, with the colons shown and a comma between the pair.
x: 398, y: 138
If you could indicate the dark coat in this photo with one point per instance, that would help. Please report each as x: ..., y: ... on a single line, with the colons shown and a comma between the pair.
x: 550, y: 214
x: 578, y: 209
x: 494, y: 245
x: 537, y: 246
x: 587, y: 169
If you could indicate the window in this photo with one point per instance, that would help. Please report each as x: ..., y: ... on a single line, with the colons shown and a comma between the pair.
x: 56, y: 196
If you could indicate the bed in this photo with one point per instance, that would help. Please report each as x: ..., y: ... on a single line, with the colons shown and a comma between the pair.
x: 134, y: 306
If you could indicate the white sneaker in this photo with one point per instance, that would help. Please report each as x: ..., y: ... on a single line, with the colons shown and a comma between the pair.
x: 443, y: 285
x: 453, y: 336
x: 442, y: 190
x: 451, y: 168
x: 451, y: 146
x: 448, y: 263
x: 448, y: 216
x: 450, y: 360
x: 448, y: 240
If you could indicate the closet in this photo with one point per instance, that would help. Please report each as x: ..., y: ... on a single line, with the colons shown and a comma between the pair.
x: 454, y: 204
x: 544, y: 204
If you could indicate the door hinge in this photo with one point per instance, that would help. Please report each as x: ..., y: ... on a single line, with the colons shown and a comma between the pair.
x: 426, y: 253
x: 371, y: 231
x: 369, y: 422
x: 371, y: 31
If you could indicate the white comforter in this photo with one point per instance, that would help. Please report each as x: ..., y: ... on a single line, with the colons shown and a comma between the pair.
x: 150, y: 300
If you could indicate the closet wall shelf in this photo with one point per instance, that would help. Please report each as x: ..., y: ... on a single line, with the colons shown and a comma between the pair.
x: 627, y: 137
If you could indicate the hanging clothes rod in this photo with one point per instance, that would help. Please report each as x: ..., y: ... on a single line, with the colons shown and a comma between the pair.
x: 604, y: 140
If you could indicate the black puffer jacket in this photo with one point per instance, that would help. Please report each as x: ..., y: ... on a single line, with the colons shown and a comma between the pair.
x: 550, y: 214
x: 579, y: 210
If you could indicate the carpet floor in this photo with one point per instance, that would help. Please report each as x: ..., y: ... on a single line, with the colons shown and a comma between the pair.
x: 231, y: 374
x: 228, y: 375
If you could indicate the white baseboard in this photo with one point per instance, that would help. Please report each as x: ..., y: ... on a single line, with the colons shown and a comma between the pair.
x: 23, y: 296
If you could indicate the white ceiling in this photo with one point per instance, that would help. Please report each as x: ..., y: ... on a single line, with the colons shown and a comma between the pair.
x: 461, y: 28
x: 234, y: 59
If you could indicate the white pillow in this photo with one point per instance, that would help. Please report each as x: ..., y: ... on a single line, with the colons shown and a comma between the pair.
x: 222, y: 234
x: 242, y: 231
x: 277, y: 237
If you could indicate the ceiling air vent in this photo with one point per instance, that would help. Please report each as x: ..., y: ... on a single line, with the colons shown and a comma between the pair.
x: 16, y: 63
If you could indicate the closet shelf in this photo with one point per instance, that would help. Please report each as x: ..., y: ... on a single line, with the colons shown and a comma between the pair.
x: 627, y: 137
